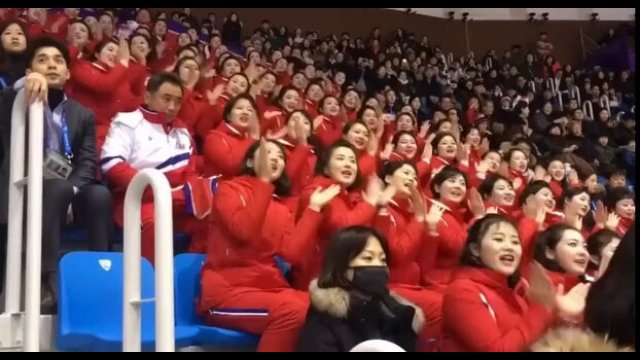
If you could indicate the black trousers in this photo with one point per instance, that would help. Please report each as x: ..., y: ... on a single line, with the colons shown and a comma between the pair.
x: 92, y: 209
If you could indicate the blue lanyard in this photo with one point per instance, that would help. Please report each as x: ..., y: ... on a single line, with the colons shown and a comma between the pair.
x: 66, y: 141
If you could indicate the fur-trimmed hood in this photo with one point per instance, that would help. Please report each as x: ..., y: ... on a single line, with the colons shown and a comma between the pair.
x: 567, y: 339
x: 335, y: 302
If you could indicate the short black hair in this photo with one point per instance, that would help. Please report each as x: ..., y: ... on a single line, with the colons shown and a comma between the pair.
x: 617, y: 194
x: 486, y: 186
x: 390, y: 167
x: 548, y: 240
x: 396, y: 137
x: 446, y: 173
x: 440, y: 136
x: 343, y: 247
x: 42, y: 42
x: 282, y: 185
x: 570, y: 193
x: 325, y: 158
x: 474, y: 237
x: 158, y: 79
x: 596, y: 242
x: 324, y: 100
x: 532, y: 189
x: 365, y: 108
x: 278, y: 99
x: 229, y: 107
x: 350, y: 124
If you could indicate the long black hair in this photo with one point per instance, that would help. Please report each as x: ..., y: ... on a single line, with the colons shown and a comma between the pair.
x: 611, y: 302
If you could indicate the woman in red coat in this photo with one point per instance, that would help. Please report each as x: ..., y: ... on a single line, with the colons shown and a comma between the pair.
x: 497, y: 192
x: 225, y: 146
x: 622, y: 201
x: 262, y: 89
x: 336, y: 165
x: 351, y: 104
x: 141, y: 54
x: 357, y: 134
x: 236, y: 84
x: 103, y: 86
x: 484, y: 310
x: 301, y: 156
x: 274, y: 118
x: 328, y: 125
x: 402, y: 221
x: 563, y: 252
x: 194, y: 105
x: 312, y: 96
x: 242, y: 287
x: 516, y: 164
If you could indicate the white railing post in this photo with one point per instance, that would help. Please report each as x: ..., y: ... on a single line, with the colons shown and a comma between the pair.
x: 164, y: 311
x: 30, y: 323
x: 604, y: 103
x: 575, y: 93
x: 587, y: 108
x: 34, y: 228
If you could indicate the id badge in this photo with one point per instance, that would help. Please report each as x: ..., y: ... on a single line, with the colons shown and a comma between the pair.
x: 56, y: 166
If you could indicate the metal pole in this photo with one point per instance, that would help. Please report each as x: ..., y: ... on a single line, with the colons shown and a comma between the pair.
x: 165, y: 337
x: 13, y: 283
x: 34, y: 228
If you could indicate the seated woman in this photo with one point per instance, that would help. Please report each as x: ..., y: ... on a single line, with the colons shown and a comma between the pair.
x: 601, y: 245
x: 562, y: 251
x: 497, y: 192
x: 351, y: 303
x: 242, y: 287
x: 622, y: 201
x: 484, y: 310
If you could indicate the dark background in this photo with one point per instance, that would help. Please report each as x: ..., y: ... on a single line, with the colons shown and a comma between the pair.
x: 449, y: 34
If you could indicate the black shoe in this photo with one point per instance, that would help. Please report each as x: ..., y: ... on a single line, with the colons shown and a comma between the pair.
x: 48, y: 302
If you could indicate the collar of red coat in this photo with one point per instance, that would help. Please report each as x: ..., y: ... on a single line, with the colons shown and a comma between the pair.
x: 161, y: 119
x: 402, y: 204
x: 565, y: 279
x: 502, y: 210
x: 483, y: 276
x: 100, y: 65
x: 625, y: 223
x: 324, y: 182
x: 455, y: 209
x: 287, y: 141
x: 229, y: 129
x: 515, y: 173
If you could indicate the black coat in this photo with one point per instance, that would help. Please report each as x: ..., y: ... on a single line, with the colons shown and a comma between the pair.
x: 337, y: 321
x: 82, y: 130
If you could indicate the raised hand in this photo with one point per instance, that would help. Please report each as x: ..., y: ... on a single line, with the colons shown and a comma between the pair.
x: 476, y: 205
x: 374, y: 190
x: 301, y: 133
x: 434, y: 216
x: 321, y: 197
x: 386, y: 152
x: 612, y: 221
x: 124, y: 55
x: 517, y: 183
x: 35, y: 88
x: 540, y: 288
x: 600, y: 214
x: 483, y: 166
x: 261, y: 167
x: 572, y: 303
x: 386, y: 195
x: 424, y: 129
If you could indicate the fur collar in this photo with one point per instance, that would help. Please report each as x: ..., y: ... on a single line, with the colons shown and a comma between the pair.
x: 335, y: 302
x: 575, y: 340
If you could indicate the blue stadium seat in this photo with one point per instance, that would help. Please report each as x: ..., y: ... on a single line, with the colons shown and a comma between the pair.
x: 187, y: 289
x: 90, y: 304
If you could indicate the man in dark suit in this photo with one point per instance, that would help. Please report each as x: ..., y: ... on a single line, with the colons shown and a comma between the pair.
x: 75, y: 196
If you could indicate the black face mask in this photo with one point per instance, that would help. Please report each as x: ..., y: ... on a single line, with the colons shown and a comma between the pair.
x: 371, y: 280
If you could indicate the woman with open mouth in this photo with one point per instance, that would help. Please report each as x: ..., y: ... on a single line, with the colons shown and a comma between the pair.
x: 337, y: 165
x: 538, y: 213
x: 562, y: 251
x: 357, y: 134
x: 328, y: 125
x: 497, y: 192
x: 301, y: 156
x: 225, y: 146
x: 274, y: 118
x: 249, y: 227
x: 622, y: 201
x: 312, y: 96
x: 576, y: 204
x: 486, y: 308
x: 404, y: 223
x: 237, y: 84
x: 445, y: 153
x: 351, y: 104
x: 516, y: 162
